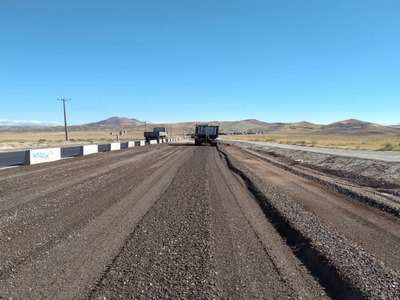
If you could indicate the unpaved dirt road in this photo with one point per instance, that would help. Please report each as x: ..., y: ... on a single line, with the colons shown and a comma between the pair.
x: 376, y: 231
x: 166, y: 222
x: 388, y: 156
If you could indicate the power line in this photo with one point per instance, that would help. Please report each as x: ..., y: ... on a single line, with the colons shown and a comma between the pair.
x: 65, y: 115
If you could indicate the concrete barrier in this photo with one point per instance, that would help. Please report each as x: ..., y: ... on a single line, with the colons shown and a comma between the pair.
x: 115, y: 146
x: 104, y: 147
x: 124, y: 145
x: 12, y: 158
x: 72, y: 151
x: 38, y: 156
x: 89, y: 149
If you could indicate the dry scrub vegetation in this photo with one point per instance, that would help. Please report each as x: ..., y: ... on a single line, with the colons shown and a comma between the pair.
x: 353, y: 142
x: 21, y: 140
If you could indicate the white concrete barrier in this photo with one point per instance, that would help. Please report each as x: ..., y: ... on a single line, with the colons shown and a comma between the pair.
x: 142, y: 142
x: 153, y: 142
x: 131, y: 144
x: 38, y: 156
x: 115, y: 146
x: 89, y: 149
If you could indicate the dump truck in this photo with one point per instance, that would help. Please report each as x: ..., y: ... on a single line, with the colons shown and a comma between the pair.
x: 206, y: 134
x: 158, y: 133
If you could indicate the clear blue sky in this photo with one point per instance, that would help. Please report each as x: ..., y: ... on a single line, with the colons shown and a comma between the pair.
x: 282, y: 60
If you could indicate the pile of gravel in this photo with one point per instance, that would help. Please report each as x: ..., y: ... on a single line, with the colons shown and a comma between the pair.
x: 343, y: 267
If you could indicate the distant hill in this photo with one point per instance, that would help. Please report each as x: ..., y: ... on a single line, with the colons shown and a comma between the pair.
x: 247, y: 126
x: 115, y: 122
x: 251, y: 125
x: 256, y: 126
x: 345, y: 127
x: 353, y: 126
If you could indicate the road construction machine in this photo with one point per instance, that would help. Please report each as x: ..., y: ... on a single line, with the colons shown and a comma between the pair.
x: 159, y: 134
x: 206, y: 134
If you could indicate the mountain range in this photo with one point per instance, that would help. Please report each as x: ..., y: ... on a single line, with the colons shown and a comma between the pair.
x: 350, y: 126
x: 115, y: 121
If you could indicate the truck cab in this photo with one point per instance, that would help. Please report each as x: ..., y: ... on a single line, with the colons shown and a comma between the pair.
x: 158, y: 133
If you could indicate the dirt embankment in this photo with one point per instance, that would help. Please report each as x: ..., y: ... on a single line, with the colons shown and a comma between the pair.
x: 343, y: 266
x: 366, y: 172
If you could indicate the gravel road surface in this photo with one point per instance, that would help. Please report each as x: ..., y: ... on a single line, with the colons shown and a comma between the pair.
x: 167, y: 221
x: 376, y: 231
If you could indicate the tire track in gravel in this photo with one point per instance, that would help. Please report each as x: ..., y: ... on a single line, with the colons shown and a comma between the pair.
x: 376, y: 231
x: 167, y: 255
x: 197, y: 242
x: 72, y: 261
x: 62, y: 212
x: 14, y: 197
x: 275, y: 271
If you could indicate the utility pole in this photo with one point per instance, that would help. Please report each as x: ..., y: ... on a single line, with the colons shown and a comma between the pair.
x: 65, y: 116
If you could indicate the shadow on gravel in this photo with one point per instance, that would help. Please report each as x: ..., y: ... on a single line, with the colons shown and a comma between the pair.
x: 190, y: 145
x: 327, y: 275
x: 181, y: 144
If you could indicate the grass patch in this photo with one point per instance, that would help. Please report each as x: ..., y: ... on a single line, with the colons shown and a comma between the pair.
x: 390, y: 147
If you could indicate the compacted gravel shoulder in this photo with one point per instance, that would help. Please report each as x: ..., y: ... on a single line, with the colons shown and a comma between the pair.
x: 332, y: 252
x: 181, y: 222
x: 57, y: 238
x: 196, y: 243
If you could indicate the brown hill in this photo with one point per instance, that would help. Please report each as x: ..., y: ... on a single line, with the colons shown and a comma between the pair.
x: 115, y: 122
x: 248, y: 126
x: 353, y: 126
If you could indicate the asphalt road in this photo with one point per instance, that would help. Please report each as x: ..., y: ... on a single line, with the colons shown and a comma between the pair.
x: 169, y: 221
x: 388, y: 156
